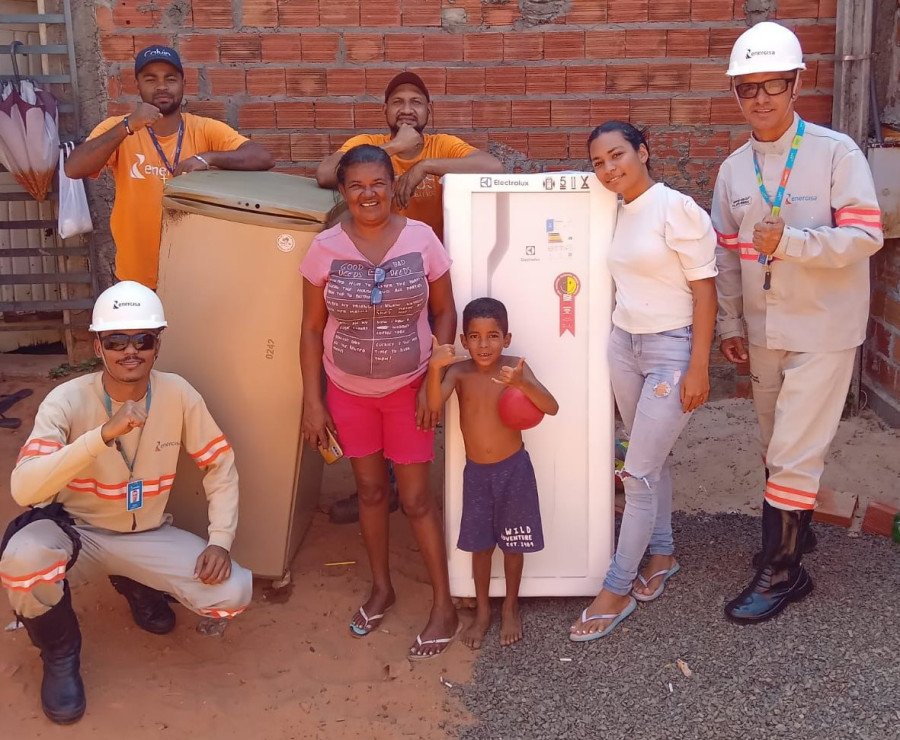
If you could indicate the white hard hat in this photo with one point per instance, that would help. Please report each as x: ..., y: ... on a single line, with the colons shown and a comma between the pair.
x: 127, y: 305
x: 767, y: 47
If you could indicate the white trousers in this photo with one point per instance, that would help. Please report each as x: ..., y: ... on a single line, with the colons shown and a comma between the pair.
x: 799, y: 398
x: 33, y: 567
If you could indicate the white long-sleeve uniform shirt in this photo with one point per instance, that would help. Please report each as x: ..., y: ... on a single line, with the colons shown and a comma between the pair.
x: 65, y: 457
x: 819, y: 295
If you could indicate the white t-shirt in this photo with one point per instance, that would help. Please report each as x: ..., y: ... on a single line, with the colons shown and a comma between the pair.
x: 663, y: 241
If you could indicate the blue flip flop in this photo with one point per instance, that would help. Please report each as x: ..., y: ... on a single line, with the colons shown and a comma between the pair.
x: 370, y: 623
x: 616, y: 619
x: 666, y: 575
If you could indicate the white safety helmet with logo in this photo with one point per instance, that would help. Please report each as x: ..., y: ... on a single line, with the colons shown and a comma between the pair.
x: 127, y: 305
x: 767, y: 47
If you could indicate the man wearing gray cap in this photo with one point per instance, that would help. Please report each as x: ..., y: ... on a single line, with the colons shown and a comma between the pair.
x: 154, y: 142
x: 419, y: 159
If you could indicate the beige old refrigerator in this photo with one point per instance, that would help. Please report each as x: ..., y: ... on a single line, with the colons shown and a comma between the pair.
x: 230, y: 253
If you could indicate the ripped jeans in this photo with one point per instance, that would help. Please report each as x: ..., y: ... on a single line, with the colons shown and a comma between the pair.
x: 646, y: 371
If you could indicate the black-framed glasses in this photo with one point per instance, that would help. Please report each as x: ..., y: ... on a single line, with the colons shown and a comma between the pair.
x: 376, y: 296
x: 775, y: 86
x: 142, y: 341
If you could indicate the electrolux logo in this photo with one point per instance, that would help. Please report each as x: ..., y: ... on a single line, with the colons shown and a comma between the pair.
x: 511, y: 183
x: 485, y: 182
x: 761, y: 53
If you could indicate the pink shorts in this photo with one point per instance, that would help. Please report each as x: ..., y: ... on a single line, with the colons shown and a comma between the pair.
x: 367, y: 424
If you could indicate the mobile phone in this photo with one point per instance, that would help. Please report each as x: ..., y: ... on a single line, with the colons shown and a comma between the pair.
x: 332, y: 452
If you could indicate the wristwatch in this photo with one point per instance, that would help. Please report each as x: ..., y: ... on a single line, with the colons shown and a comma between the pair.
x: 127, y: 127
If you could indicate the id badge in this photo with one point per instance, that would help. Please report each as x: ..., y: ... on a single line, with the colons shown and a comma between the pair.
x: 135, y: 497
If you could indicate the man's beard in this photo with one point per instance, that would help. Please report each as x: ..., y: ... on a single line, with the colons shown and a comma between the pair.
x: 419, y: 128
x: 171, y: 108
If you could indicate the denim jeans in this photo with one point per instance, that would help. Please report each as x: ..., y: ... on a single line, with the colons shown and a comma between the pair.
x: 646, y: 372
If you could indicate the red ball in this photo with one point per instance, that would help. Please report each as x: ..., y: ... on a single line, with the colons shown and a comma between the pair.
x: 517, y: 410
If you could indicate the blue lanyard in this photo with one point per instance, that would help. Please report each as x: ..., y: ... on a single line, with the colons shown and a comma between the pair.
x: 107, y: 402
x: 779, y: 194
x: 162, y: 154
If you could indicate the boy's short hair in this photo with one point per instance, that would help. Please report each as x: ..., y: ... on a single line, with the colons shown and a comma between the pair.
x: 486, y: 308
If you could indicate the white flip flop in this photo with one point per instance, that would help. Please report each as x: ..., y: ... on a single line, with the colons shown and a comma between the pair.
x: 666, y: 575
x: 616, y: 619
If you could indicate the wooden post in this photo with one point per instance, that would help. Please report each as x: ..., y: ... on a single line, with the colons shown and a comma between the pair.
x: 850, y: 111
x: 853, y: 69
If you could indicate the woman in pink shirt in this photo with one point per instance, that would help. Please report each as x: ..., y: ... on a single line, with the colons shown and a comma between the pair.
x: 369, y: 285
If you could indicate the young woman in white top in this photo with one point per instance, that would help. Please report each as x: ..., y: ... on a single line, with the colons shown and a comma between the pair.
x: 662, y: 260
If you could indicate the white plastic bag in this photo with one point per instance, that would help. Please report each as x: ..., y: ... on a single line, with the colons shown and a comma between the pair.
x: 74, y: 214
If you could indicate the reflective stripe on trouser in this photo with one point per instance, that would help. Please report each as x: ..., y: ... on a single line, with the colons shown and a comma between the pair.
x: 646, y: 371
x: 799, y: 398
x: 34, y: 565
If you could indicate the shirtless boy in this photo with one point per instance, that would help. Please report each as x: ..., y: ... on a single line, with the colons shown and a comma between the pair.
x: 500, y: 499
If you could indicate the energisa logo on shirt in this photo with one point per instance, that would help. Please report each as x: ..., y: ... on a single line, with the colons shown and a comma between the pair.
x: 790, y: 199
x: 140, y: 171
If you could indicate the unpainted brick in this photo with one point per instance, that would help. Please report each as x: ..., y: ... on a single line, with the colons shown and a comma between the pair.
x: 879, y: 518
x: 338, y: 13
x: 564, y: 45
x: 296, y: 13
x: 644, y: 42
x: 265, y: 81
x: 404, y: 47
x: 604, y: 44
x: 379, y: 13
x: 586, y: 12
x: 256, y: 115
x: 628, y: 11
x: 421, y: 12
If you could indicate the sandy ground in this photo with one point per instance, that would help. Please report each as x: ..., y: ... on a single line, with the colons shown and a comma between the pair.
x: 288, y: 667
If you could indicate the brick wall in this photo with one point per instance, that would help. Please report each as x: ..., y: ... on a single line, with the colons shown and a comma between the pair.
x: 526, y: 79
x: 881, y: 355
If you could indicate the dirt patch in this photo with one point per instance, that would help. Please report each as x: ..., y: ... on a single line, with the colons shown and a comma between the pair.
x: 288, y: 667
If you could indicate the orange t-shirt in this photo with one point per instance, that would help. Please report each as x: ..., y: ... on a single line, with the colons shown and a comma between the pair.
x: 427, y: 202
x: 140, y: 175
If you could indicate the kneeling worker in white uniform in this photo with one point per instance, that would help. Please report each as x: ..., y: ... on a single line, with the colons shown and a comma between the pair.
x: 797, y: 220
x: 97, y: 470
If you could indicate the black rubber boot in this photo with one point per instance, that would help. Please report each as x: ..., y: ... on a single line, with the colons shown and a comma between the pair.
x: 807, y: 546
x: 346, y: 510
x: 149, y: 607
x: 57, y: 636
x: 781, y: 578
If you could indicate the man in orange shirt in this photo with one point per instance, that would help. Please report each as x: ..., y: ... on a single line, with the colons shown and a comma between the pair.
x: 154, y: 142
x: 419, y: 159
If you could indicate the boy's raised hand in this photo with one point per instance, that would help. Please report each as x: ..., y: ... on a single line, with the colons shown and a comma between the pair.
x: 512, y: 375
x: 443, y: 355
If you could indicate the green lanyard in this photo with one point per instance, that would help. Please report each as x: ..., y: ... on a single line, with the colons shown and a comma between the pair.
x: 765, y: 259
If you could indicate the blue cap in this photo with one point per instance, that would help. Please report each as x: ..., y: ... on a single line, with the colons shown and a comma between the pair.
x: 157, y: 53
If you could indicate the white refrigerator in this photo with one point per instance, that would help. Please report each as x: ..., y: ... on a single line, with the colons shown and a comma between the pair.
x: 538, y: 243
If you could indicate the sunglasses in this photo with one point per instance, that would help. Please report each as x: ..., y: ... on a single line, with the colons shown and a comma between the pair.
x: 142, y: 342
x: 376, y: 296
x: 749, y: 90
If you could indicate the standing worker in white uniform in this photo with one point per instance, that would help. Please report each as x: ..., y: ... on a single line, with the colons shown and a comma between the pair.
x: 97, y: 470
x: 797, y: 220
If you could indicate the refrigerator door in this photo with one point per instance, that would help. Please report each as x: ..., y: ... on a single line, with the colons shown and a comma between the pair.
x: 538, y: 243
x: 233, y: 299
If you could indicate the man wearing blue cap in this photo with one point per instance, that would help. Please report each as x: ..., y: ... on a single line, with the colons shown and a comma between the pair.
x: 154, y: 142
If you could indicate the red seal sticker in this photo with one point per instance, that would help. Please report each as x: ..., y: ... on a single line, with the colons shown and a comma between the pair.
x: 567, y: 286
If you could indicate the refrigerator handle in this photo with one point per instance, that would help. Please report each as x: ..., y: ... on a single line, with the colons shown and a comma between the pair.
x: 483, y: 277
